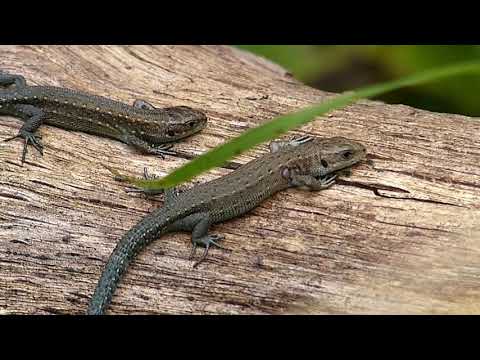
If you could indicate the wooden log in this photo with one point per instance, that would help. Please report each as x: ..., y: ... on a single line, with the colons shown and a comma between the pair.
x: 401, y: 235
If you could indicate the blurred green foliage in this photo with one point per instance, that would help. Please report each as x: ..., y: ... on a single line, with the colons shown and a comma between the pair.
x: 340, y: 68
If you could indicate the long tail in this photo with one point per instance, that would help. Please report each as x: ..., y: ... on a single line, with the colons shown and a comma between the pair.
x: 147, y: 230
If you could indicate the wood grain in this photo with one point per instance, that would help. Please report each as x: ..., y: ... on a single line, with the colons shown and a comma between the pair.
x: 401, y: 235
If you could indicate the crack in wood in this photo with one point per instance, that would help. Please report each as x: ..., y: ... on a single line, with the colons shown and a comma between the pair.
x: 375, y: 187
x: 12, y: 196
x: 45, y: 184
x: 376, y: 192
x: 412, y: 174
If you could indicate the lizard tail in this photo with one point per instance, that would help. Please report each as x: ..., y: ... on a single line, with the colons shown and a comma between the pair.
x: 147, y: 230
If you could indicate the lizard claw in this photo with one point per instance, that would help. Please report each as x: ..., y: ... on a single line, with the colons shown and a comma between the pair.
x: 162, y: 150
x: 329, y: 180
x: 301, y: 139
x: 205, y: 241
x: 147, y: 175
x: 194, y: 250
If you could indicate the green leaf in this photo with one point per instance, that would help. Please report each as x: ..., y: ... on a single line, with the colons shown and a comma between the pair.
x: 282, y: 124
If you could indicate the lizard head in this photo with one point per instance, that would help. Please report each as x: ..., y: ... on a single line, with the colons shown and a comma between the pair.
x: 330, y: 155
x: 177, y: 122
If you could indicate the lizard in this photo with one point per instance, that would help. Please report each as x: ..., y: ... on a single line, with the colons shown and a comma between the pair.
x: 140, y: 125
x: 306, y: 162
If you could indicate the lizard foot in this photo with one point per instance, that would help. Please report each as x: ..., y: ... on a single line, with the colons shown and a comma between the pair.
x: 328, y: 180
x: 205, y: 241
x: 162, y: 150
x: 30, y: 138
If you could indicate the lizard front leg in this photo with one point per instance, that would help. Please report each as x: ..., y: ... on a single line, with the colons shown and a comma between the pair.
x: 143, y: 146
x: 312, y: 183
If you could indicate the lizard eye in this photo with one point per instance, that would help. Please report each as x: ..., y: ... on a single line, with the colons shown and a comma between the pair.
x: 347, y: 154
x: 324, y: 163
x: 171, y: 133
x: 191, y: 124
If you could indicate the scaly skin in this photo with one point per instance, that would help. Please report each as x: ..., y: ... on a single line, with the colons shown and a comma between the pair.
x: 140, y: 125
x: 303, y: 162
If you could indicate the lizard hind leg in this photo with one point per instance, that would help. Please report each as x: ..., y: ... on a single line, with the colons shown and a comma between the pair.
x: 169, y: 194
x: 205, y: 241
x: 200, y: 237
x: 147, y: 192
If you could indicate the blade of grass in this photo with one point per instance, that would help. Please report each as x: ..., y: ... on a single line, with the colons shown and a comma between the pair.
x: 284, y: 123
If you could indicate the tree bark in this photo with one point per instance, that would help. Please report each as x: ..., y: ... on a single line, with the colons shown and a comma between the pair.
x: 401, y: 235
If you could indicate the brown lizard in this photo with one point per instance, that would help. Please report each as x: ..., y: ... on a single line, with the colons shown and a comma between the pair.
x: 141, y: 125
x: 308, y: 162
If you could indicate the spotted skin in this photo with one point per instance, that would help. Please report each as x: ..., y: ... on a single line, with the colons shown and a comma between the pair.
x: 305, y: 162
x: 141, y: 125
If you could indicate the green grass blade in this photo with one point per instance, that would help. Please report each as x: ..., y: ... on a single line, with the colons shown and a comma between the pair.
x: 282, y: 124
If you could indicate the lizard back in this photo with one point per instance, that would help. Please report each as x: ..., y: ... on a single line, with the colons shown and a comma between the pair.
x: 98, y: 115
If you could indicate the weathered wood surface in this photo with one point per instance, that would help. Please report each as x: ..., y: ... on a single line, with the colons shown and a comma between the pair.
x: 413, y: 247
